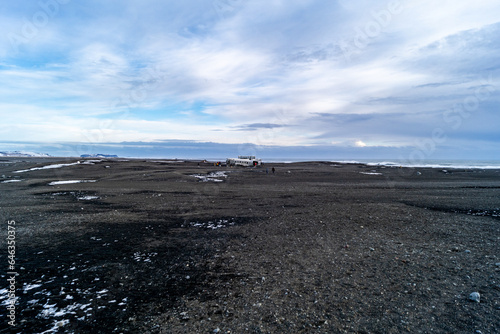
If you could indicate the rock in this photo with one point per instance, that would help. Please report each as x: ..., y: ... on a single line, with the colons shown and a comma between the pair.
x: 184, y: 316
x: 475, y: 297
x: 467, y: 251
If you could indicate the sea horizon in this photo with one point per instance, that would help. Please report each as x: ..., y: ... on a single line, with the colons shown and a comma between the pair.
x: 427, y: 163
x: 387, y: 162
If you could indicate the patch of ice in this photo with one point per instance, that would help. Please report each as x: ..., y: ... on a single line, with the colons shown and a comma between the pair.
x: 370, y: 173
x: 55, y: 183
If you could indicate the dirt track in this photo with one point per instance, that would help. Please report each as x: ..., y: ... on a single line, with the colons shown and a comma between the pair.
x: 314, y: 248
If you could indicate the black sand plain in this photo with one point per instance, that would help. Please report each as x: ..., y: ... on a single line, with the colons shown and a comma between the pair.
x: 317, y: 247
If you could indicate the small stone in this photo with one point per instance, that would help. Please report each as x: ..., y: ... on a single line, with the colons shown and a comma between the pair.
x: 497, y: 264
x: 184, y: 316
x: 475, y: 297
x: 467, y: 251
x: 217, y: 330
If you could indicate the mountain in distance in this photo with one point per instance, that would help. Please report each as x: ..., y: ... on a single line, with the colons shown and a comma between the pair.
x: 22, y: 154
x: 98, y: 156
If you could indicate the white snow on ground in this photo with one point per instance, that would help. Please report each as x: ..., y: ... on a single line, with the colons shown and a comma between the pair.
x: 211, y: 177
x: 10, y: 181
x: 85, y: 162
x: 371, y: 173
x: 211, y: 224
x: 87, y: 198
x: 55, y: 183
x: 56, y: 326
x: 91, y: 162
x: 168, y: 161
x: 23, y: 154
x: 4, y: 297
x: 65, y: 309
x: 146, y: 257
x: 47, y: 167
x: 28, y: 287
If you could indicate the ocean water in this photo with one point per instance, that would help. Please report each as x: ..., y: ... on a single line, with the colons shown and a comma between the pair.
x: 437, y: 163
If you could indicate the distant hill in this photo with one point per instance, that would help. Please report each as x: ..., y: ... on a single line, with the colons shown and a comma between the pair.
x: 99, y: 156
x: 22, y: 154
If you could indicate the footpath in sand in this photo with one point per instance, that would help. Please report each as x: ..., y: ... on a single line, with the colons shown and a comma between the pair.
x: 142, y: 246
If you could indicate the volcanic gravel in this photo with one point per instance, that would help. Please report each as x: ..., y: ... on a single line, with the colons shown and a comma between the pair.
x: 167, y: 246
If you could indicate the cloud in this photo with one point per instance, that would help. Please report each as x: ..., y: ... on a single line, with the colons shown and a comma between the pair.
x: 301, y: 72
x: 360, y: 143
x: 256, y: 126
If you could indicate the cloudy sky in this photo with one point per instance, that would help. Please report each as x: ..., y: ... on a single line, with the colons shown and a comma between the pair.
x: 417, y: 78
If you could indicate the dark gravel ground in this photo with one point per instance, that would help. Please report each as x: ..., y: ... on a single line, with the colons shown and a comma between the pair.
x: 314, y: 248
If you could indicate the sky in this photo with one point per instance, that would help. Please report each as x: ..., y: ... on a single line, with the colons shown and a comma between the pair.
x: 415, y: 79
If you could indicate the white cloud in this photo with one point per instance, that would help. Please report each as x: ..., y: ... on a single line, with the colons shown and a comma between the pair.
x: 186, y: 70
x: 359, y: 143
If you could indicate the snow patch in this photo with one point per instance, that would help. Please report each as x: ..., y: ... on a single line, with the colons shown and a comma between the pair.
x: 211, y: 177
x: 47, y: 167
x: 146, y: 257
x: 55, y: 183
x: 87, y: 198
x: 211, y: 224
x: 11, y: 181
x: 28, y: 287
